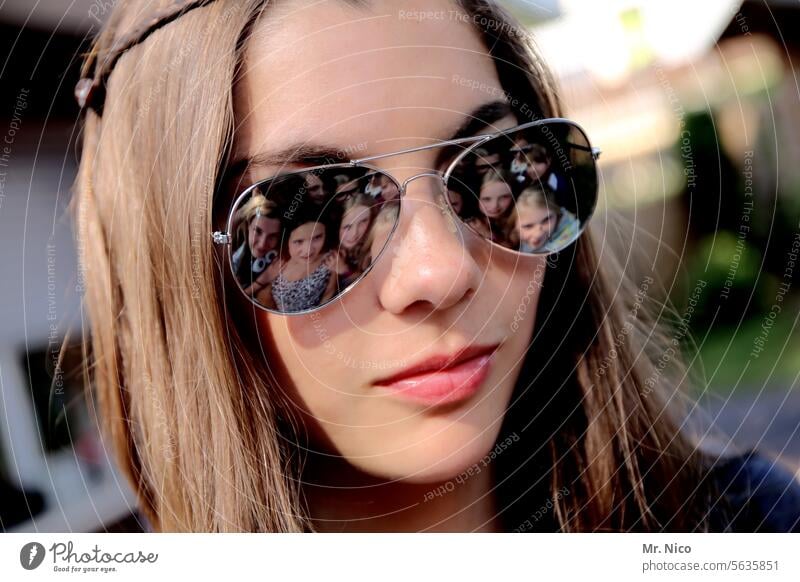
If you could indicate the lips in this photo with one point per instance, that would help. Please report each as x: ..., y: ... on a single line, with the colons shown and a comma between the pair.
x: 443, y: 379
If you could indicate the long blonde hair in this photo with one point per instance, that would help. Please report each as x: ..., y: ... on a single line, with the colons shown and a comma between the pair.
x: 204, y: 437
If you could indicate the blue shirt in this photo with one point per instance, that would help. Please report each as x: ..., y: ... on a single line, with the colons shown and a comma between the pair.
x: 761, y: 495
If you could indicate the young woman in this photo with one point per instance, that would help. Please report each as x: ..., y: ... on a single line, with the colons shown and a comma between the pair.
x: 457, y: 385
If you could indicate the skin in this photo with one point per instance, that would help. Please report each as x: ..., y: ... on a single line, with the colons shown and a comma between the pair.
x: 536, y: 224
x: 495, y: 199
x: 355, y: 223
x: 436, y: 288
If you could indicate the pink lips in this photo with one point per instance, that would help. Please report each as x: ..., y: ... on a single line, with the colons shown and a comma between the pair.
x: 443, y: 379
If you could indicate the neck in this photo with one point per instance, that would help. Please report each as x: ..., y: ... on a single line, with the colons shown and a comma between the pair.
x: 342, y: 498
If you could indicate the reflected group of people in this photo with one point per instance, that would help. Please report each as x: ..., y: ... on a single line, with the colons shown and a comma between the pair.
x: 301, y: 239
x: 508, y: 192
x: 310, y: 236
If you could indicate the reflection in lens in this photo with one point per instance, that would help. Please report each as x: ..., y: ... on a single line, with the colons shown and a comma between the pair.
x: 376, y: 239
x: 539, y: 223
x: 259, y: 235
x: 495, y: 196
x: 300, y: 240
x: 530, y: 190
x: 315, y: 188
x: 456, y: 201
x: 357, y: 218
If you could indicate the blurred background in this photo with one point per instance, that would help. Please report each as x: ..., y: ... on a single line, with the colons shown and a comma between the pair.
x: 696, y: 106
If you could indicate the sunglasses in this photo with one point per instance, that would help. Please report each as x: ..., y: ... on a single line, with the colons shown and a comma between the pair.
x: 305, y: 252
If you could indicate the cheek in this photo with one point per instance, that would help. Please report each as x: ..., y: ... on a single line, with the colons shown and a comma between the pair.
x: 316, y: 369
x: 525, y: 280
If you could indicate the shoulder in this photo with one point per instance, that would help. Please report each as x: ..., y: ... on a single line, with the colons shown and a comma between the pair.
x: 274, y: 268
x: 756, y: 494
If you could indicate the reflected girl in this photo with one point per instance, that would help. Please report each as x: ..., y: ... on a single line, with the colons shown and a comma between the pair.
x: 495, y: 197
x: 261, y: 219
x: 304, y: 279
x: 538, y: 222
x: 495, y: 203
x: 567, y: 389
x: 355, y: 223
x: 379, y: 233
x: 456, y: 201
x: 315, y: 188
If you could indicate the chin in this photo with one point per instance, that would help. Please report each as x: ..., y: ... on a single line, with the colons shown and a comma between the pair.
x: 441, y: 453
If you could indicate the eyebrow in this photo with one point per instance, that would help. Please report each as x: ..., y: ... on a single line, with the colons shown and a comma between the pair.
x: 316, y: 155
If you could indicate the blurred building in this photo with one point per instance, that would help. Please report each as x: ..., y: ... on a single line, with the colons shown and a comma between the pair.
x: 52, y: 465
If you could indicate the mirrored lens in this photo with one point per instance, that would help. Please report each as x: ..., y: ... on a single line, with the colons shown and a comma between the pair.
x: 300, y: 240
x: 531, y: 190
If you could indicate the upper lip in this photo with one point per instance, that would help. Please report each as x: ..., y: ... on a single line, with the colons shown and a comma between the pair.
x: 439, y: 362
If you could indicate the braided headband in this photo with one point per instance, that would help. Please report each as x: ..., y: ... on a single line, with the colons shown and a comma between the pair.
x: 90, y: 90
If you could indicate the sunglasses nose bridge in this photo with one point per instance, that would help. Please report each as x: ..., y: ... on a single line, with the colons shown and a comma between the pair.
x: 407, y: 181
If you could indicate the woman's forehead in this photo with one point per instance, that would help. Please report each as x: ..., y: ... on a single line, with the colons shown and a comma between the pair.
x: 376, y: 78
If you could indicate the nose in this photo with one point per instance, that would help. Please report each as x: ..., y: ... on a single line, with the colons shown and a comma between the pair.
x: 430, y: 262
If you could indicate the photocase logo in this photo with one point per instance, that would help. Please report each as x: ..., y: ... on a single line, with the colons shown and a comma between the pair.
x: 31, y: 555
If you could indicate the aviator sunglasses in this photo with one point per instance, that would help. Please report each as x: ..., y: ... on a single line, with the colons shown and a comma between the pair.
x: 301, y: 239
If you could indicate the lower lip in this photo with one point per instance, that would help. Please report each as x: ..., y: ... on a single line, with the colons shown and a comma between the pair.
x: 447, y: 386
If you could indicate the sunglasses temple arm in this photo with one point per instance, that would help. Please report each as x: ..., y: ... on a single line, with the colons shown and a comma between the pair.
x: 592, y: 150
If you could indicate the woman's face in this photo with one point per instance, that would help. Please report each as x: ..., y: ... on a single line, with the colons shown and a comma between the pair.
x: 355, y: 223
x: 495, y: 199
x: 324, y: 78
x: 536, y: 224
x: 263, y: 235
x: 306, y: 241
